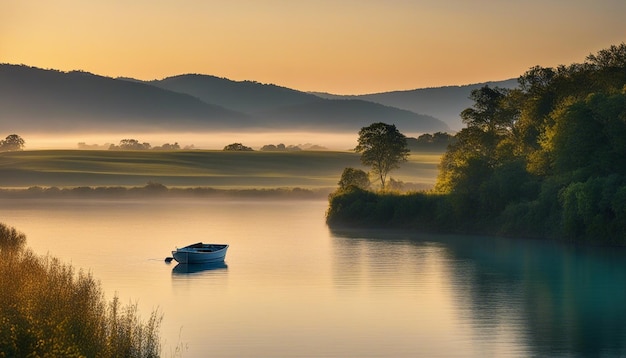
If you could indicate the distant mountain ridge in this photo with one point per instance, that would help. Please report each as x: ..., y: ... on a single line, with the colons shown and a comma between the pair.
x: 444, y: 103
x: 245, y: 96
x: 52, y: 101
x: 49, y: 100
x: 34, y: 99
x: 277, y: 106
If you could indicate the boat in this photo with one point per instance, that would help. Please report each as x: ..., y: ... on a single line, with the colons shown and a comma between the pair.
x: 200, y: 253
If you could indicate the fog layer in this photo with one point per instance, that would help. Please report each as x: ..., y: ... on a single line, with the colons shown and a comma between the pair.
x: 206, y: 140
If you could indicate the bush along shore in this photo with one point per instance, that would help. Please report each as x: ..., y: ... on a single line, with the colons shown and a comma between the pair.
x: 47, y: 309
x: 544, y: 160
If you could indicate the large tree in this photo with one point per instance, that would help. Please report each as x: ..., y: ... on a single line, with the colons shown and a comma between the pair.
x: 237, y: 147
x: 382, y: 147
x: 12, y: 142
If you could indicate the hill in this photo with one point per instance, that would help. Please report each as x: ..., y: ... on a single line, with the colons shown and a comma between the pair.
x: 277, y: 106
x: 33, y: 99
x: 50, y: 101
x: 351, y: 115
x: 443, y: 103
x: 243, y: 96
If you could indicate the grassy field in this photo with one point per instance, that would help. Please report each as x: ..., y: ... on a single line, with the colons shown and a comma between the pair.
x: 197, y: 168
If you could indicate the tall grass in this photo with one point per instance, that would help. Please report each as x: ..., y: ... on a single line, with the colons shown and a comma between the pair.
x: 47, y: 309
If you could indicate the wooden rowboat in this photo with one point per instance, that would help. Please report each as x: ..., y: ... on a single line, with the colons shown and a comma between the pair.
x: 200, y: 253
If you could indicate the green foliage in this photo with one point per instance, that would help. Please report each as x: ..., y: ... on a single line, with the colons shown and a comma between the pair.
x: 382, y: 147
x: 546, y: 160
x: 358, y: 207
x: 438, y: 141
x: 354, y: 177
x: 594, y: 210
x: 490, y: 112
x: 589, y: 136
x: 49, y: 310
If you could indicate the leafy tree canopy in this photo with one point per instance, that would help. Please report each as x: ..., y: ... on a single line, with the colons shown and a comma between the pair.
x: 130, y: 144
x: 552, y: 152
x: 237, y: 147
x: 438, y: 141
x: 12, y: 142
x: 354, y: 177
x: 382, y: 147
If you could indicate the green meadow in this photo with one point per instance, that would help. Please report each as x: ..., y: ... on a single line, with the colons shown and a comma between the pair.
x: 196, y: 168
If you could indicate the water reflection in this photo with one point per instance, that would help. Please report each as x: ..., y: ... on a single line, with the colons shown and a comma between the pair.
x: 382, y: 259
x: 187, y: 269
x: 522, y: 296
x: 294, y: 288
x: 567, y: 300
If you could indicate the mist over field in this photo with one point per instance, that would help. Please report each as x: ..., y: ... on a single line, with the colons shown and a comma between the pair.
x: 206, y: 140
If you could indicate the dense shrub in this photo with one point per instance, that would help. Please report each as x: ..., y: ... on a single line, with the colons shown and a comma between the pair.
x: 357, y: 207
x: 49, y: 310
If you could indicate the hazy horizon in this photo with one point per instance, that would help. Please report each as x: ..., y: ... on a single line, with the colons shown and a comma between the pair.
x: 208, y: 140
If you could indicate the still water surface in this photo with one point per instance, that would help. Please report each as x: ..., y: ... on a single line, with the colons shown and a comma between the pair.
x: 290, y: 287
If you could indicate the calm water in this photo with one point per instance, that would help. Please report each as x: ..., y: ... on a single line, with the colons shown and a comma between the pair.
x: 290, y: 287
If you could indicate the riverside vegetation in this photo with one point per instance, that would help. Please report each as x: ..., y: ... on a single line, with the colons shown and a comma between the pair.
x: 49, y: 310
x: 545, y: 160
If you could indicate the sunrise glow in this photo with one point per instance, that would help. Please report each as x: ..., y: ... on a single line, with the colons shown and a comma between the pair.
x: 347, y: 47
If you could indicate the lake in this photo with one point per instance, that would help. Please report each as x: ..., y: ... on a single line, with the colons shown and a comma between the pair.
x: 291, y: 287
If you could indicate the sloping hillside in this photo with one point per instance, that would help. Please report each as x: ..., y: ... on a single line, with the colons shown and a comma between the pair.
x: 48, y: 100
x: 350, y: 115
x: 444, y: 103
x: 279, y: 107
x: 243, y: 96
x: 33, y: 99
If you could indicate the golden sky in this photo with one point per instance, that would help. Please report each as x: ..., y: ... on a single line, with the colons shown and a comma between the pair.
x: 339, y: 46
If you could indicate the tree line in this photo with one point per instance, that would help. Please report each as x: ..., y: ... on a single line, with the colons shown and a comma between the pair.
x: 158, y: 190
x: 274, y: 147
x: 134, y: 144
x: 543, y: 160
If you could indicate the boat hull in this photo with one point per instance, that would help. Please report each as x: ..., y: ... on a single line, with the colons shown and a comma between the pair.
x: 195, y: 255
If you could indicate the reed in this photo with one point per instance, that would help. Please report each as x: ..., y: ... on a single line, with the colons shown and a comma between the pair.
x: 47, y: 309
